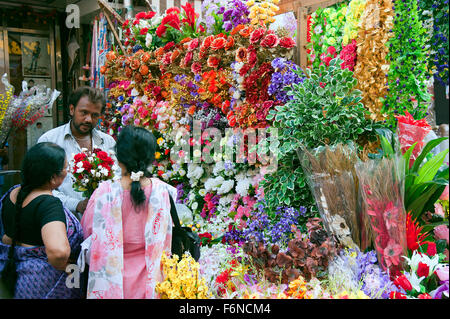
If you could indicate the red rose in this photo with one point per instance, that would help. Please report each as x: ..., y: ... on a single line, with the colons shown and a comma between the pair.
x: 87, y: 166
x: 403, y: 282
x: 431, y: 249
x: 193, y: 44
x: 397, y: 295
x: 136, y: 22
x: 150, y: 15
x: 424, y: 296
x: 125, y: 24
x: 196, y: 68
x: 143, y: 31
x: 79, y: 157
x: 287, y: 42
x: 423, y: 270
x: 140, y: 15
x: 218, y: 43
x: 270, y: 41
x: 256, y: 35
x: 213, y: 61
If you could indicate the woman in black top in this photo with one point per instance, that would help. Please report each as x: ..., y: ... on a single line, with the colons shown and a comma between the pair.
x: 37, y: 231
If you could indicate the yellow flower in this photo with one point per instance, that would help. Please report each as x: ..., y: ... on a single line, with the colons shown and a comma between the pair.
x: 265, y: 4
x: 157, y: 155
x: 263, y: 16
x: 160, y: 141
x: 250, y: 3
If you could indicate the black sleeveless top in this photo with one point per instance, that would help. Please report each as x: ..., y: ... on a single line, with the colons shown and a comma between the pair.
x: 41, y: 210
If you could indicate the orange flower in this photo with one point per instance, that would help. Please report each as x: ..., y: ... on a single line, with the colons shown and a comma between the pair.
x: 128, y: 72
x: 230, y: 43
x: 103, y: 69
x: 185, y: 40
x: 145, y: 57
x: 237, y: 29
x: 138, y: 77
x: 143, y: 69
x: 135, y: 64
x: 111, y: 55
x: 241, y: 54
x: 159, y: 52
x: 191, y: 110
x: 175, y: 55
x: 246, y: 31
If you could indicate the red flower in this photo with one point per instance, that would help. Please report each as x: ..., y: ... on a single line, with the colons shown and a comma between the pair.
x: 173, y: 20
x: 207, y: 41
x: 196, y: 68
x: 161, y: 30
x: 414, y: 236
x: 169, y: 46
x: 190, y: 15
x: 403, y: 282
x: 397, y: 295
x: 424, y: 296
x: 141, y: 15
x: 331, y: 50
x: 270, y: 41
x: 173, y: 10
x: 256, y: 35
x: 287, y: 42
x: 431, y: 249
x: 218, y: 43
x: 188, y: 57
x: 193, y: 44
x: 423, y: 270
x: 143, y: 31
x: 213, y: 61
x: 327, y: 60
x: 150, y: 15
x: 79, y: 157
x: 87, y: 165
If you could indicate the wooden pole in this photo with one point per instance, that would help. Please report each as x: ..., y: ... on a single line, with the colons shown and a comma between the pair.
x: 107, y: 10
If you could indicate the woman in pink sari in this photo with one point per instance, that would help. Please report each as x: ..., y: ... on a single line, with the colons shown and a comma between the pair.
x: 128, y: 223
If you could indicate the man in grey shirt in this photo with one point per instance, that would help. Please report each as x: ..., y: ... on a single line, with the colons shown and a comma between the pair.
x: 86, y: 106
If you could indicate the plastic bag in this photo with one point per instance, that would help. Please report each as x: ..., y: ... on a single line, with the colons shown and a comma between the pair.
x: 381, y: 187
x: 332, y: 179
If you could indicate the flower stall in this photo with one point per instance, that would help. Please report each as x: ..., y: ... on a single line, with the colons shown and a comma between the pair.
x: 311, y: 180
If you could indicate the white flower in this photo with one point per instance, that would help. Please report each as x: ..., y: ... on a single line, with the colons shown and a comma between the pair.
x: 226, y: 187
x: 182, y: 172
x: 194, y: 206
x: 84, y: 149
x: 414, y: 280
x: 413, y: 262
x: 80, y: 170
x: 79, y: 164
x: 242, y: 187
x: 202, y: 192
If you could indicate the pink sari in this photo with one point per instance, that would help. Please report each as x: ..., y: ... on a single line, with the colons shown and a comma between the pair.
x: 106, y: 266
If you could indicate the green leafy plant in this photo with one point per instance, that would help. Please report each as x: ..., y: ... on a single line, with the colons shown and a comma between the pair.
x: 323, y: 110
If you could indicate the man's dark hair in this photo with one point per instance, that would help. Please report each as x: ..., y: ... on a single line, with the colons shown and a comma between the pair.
x: 94, y: 95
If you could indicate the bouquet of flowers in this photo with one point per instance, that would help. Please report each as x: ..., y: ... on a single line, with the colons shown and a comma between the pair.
x: 91, y: 168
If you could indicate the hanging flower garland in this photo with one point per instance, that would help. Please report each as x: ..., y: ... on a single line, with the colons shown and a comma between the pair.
x: 407, y: 88
x: 372, y: 66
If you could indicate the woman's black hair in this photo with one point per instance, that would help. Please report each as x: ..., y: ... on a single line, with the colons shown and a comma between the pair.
x: 135, y: 149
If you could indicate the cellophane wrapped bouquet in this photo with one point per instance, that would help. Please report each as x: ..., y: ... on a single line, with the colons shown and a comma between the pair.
x: 382, y: 186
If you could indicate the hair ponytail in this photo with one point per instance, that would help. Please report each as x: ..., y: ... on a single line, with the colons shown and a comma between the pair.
x: 135, y: 149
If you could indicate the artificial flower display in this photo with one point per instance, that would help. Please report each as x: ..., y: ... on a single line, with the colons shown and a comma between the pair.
x: 233, y: 114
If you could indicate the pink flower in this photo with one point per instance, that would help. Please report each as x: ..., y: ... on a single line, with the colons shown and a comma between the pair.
x: 444, y: 195
x: 256, y: 35
x: 438, y: 210
x: 391, y: 215
x: 441, y: 232
x: 392, y: 253
x: 442, y: 272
